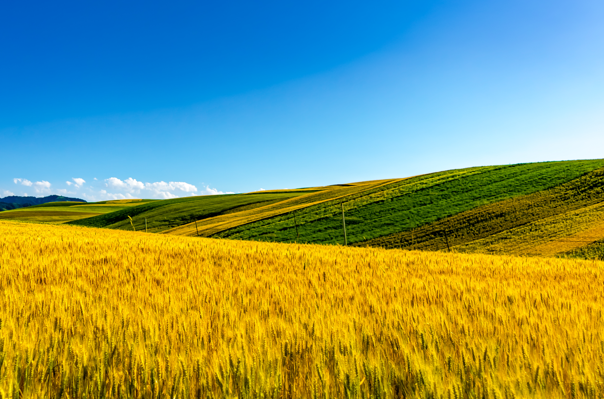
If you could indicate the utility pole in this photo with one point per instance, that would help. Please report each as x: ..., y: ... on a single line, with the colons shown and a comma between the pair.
x: 196, y: 227
x: 447, y: 239
x: 344, y: 225
x: 145, y: 225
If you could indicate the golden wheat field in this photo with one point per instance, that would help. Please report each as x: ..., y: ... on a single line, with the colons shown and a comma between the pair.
x: 88, y: 313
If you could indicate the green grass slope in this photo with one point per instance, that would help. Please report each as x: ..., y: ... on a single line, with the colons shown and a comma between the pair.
x: 521, y: 226
x: 307, y: 198
x: 165, y: 214
x: 411, y: 203
x: 65, y: 211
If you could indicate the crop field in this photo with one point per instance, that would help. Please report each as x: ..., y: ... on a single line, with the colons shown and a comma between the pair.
x: 91, y: 313
x: 65, y: 212
x: 165, y: 214
x: 408, y: 204
x: 546, y: 237
x: 529, y: 225
x: 306, y: 198
x: 593, y: 251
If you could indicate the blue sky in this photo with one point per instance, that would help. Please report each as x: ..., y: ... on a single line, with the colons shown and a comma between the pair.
x: 160, y: 99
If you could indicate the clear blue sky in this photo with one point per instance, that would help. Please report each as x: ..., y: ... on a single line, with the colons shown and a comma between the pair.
x: 156, y: 99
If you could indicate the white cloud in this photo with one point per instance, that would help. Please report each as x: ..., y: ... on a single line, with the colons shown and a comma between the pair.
x: 24, y: 182
x: 212, y: 191
x: 115, y: 188
x: 172, y: 186
x: 157, y: 190
x: 42, y: 184
x: 166, y: 195
x: 130, y: 184
x: 7, y: 193
x: 165, y: 190
x: 79, y: 182
x: 42, y: 187
x: 104, y: 195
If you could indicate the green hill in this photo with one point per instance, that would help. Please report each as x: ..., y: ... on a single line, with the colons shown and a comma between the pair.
x: 414, y: 202
x: 158, y: 216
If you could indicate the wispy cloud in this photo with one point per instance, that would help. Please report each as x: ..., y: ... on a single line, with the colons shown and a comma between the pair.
x: 114, y: 188
x: 212, y: 191
x: 157, y: 190
x: 168, y: 190
x: 40, y: 187
x: 78, y: 181
x: 23, y: 182
x: 6, y: 193
x: 130, y: 184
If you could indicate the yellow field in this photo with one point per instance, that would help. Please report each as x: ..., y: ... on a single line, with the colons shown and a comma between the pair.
x: 104, y: 313
x: 64, y: 212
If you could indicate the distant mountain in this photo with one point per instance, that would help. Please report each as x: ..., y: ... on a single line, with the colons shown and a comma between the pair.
x: 14, y: 201
x: 5, y: 206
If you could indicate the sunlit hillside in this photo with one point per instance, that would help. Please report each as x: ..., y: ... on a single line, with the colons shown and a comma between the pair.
x: 106, y: 313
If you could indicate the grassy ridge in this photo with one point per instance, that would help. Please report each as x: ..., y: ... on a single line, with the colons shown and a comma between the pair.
x: 545, y: 237
x: 319, y: 195
x: 165, y: 214
x: 482, y: 228
x: 413, y: 202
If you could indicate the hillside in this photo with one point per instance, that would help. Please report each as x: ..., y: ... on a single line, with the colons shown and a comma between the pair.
x: 15, y: 202
x: 100, y: 313
x: 159, y: 216
x: 407, y: 204
x: 544, y: 223
x: 535, y: 209
x: 62, y: 212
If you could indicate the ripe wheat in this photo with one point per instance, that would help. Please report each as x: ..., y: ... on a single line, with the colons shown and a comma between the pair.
x: 98, y: 313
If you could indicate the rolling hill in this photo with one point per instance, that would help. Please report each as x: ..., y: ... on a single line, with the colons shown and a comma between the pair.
x: 533, y: 209
x: 16, y: 202
x: 67, y: 211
